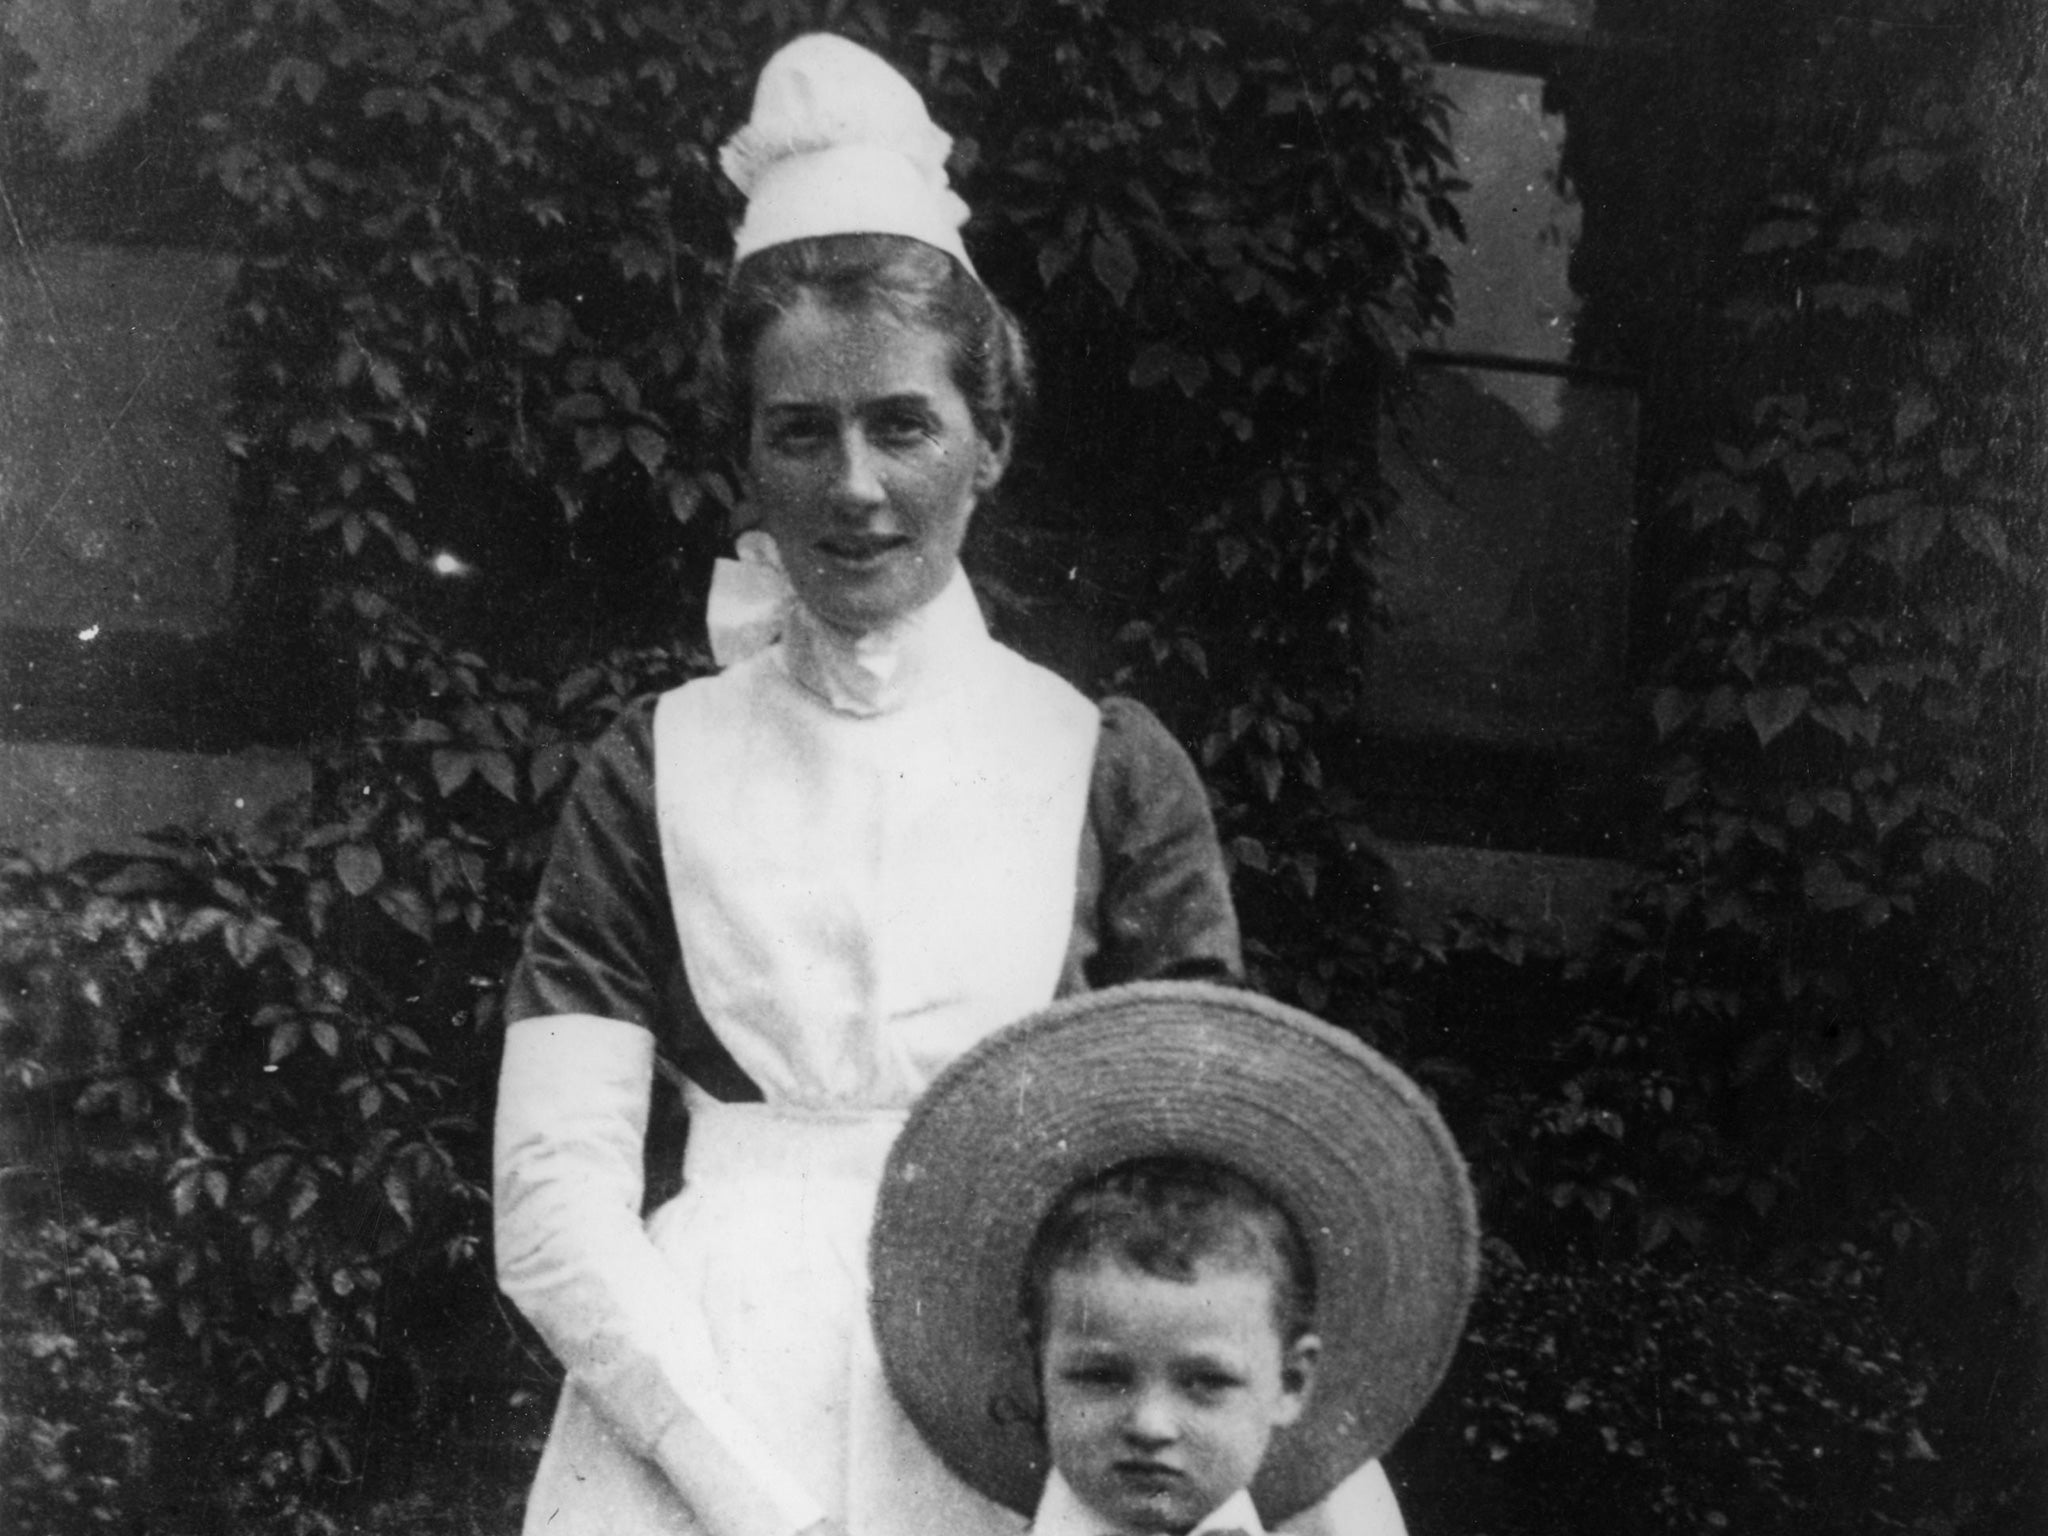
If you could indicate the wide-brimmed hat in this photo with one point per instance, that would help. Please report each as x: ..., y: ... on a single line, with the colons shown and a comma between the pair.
x: 1341, y: 1138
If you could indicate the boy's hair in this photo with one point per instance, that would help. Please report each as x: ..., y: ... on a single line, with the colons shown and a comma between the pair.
x: 1164, y: 1216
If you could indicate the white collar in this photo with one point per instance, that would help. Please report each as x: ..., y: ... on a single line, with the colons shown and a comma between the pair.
x: 879, y: 672
x: 1061, y: 1513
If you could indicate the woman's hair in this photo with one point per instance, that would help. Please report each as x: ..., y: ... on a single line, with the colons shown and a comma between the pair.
x: 1165, y: 1216
x: 918, y: 284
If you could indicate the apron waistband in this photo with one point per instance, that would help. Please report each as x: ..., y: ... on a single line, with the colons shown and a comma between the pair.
x: 772, y: 1141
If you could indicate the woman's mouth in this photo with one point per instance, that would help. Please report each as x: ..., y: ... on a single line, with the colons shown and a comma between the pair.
x: 861, y: 549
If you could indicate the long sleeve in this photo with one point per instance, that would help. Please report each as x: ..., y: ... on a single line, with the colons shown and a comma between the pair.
x: 573, y: 1256
x: 1153, y: 895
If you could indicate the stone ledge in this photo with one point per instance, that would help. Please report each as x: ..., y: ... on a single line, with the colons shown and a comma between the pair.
x: 60, y: 801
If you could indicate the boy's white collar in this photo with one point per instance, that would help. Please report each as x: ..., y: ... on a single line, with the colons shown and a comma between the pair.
x: 1061, y: 1513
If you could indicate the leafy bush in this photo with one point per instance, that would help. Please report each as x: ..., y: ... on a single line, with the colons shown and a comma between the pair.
x: 1638, y: 1396
x: 89, y: 1418
x: 294, y: 1045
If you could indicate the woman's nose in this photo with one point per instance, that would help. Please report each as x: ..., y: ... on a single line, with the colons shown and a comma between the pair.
x: 859, y: 480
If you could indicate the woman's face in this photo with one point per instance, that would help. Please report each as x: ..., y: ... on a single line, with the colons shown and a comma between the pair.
x: 863, y: 461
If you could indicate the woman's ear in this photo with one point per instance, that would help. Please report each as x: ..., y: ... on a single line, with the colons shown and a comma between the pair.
x: 995, y: 461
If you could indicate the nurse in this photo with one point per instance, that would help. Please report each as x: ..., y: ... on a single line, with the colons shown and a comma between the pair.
x: 814, y: 879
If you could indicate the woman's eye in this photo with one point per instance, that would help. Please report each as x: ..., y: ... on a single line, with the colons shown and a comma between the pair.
x: 1212, y: 1384
x: 902, y: 427
x: 794, y: 435
x: 1099, y: 1377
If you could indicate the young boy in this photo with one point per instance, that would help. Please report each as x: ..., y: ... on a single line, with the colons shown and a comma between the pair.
x: 1170, y: 1304
x: 1172, y: 1260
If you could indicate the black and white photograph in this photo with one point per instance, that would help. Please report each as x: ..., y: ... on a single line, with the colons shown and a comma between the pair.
x: 1024, y: 767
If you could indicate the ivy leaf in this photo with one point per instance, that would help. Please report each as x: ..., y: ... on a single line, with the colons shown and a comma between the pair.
x: 551, y: 765
x: 1054, y: 257
x: 1983, y: 533
x: 1671, y: 708
x: 597, y: 446
x: 649, y: 448
x: 582, y: 406
x: 405, y: 907
x: 1715, y: 495
x: 398, y: 1191
x: 1827, y: 468
x: 452, y: 770
x: 1889, y: 240
x: 1220, y: 80
x: 261, y: 1181
x: 1916, y: 413
x: 246, y: 941
x: 1270, y: 774
x: 1823, y: 559
x: 498, y: 772
x: 1911, y: 535
x: 1967, y: 854
x: 1973, y: 859
x: 636, y: 259
x: 1115, y: 265
x: 285, y: 1038
x: 1771, y: 711
x: 1829, y: 889
x: 1849, y: 722
x: 359, y: 867
x: 384, y: 375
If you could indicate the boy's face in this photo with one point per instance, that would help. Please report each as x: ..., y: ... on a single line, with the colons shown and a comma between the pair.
x: 1161, y: 1395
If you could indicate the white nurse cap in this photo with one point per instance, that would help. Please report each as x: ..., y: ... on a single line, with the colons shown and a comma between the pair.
x: 840, y: 143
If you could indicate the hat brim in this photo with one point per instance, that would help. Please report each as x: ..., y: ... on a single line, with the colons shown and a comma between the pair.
x: 1339, y: 1136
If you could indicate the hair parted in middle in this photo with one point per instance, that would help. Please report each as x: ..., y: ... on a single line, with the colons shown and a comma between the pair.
x: 1167, y: 1216
x: 916, y: 283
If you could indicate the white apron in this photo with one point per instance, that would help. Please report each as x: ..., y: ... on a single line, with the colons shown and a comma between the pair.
x: 860, y: 897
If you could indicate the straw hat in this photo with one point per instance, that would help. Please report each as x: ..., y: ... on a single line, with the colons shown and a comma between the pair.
x: 1347, y: 1144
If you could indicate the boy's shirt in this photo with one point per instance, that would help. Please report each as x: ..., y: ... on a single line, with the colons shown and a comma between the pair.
x: 1061, y: 1513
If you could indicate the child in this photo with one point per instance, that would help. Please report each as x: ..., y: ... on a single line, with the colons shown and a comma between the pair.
x: 1240, y: 1243
x: 1171, y: 1307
